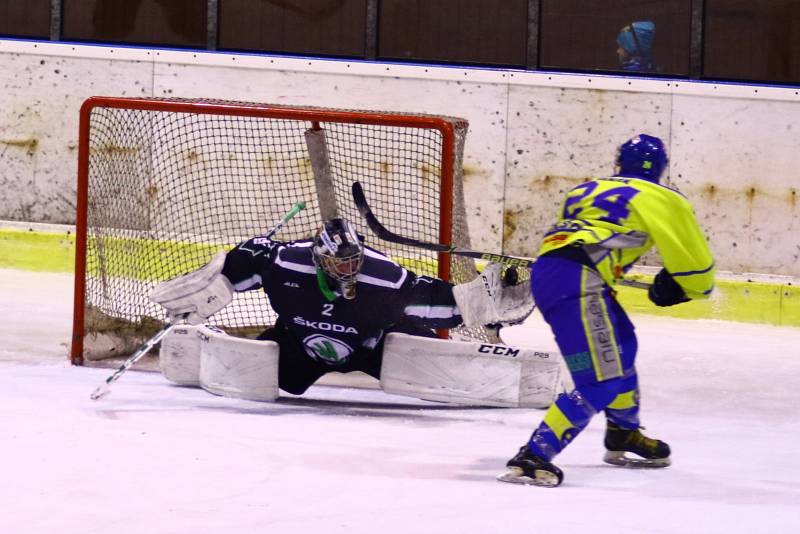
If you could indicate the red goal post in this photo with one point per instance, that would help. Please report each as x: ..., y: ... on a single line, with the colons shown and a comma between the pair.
x: 165, y: 183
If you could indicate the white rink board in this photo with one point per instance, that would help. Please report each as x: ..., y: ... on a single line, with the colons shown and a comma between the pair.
x: 532, y: 135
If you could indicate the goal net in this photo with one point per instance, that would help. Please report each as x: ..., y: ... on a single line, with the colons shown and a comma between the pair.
x: 164, y: 184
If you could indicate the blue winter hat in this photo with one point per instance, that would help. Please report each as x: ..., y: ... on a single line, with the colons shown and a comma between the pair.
x: 637, y: 38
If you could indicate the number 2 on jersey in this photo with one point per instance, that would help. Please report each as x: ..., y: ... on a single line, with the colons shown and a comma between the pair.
x: 613, y: 201
x: 327, y: 309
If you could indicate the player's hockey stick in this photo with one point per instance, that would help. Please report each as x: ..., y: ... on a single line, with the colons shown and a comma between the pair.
x: 382, y: 232
x: 105, y: 388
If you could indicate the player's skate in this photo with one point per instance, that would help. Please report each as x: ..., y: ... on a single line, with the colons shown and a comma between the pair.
x: 644, y: 451
x: 527, y: 468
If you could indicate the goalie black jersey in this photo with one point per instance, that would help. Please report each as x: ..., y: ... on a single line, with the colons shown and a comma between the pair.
x: 331, y: 328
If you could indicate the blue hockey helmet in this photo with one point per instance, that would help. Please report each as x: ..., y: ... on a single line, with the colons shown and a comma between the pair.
x: 643, y: 156
x: 637, y: 38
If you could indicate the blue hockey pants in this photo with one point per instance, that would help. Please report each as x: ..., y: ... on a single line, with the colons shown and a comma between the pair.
x: 598, y: 343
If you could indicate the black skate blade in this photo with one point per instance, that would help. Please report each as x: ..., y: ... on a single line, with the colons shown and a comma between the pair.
x: 621, y: 459
x: 542, y: 478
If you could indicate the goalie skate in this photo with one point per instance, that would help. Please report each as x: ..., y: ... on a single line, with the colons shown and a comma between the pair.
x: 631, y: 448
x: 529, y: 469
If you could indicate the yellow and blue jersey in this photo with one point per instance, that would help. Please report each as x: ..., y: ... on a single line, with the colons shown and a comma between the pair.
x: 618, y: 219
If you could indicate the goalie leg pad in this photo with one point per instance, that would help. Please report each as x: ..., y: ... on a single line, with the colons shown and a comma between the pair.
x: 477, y: 374
x: 238, y: 367
x: 179, y: 355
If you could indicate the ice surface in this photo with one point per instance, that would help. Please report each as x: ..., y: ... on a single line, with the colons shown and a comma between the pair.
x: 157, y: 458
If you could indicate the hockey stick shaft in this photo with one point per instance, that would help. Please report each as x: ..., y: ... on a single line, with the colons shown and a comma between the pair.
x: 105, y: 388
x: 296, y: 208
x: 383, y: 233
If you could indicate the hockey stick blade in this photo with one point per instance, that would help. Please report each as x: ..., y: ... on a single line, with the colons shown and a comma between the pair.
x: 383, y: 233
x: 379, y: 230
x: 101, y: 391
x: 105, y: 388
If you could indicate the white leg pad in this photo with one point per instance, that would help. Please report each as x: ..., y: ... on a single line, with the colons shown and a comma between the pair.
x: 477, y: 374
x: 238, y: 367
x: 179, y: 355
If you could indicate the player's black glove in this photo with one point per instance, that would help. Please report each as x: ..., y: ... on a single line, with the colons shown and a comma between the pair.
x: 665, y: 291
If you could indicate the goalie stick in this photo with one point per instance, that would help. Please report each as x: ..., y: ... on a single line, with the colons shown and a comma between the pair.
x: 382, y: 232
x: 105, y: 388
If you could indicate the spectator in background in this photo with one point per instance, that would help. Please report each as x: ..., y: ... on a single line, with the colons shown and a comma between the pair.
x: 635, y: 47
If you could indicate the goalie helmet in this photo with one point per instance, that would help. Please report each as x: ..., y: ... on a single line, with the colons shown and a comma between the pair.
x: 339, y: 252
x: 643, y: 157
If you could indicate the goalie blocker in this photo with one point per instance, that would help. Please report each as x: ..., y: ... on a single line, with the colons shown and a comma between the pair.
x: 197, y: 295
x: 458, y: 372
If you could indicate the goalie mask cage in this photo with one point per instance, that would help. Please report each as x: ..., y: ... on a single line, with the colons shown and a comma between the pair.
x: 163, y: 184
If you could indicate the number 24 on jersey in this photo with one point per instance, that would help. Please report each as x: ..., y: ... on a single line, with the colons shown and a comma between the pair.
x: 614, y: 202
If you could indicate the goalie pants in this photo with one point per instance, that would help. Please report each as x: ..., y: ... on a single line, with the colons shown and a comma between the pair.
x: 297, y: 371
x: 599, y: 345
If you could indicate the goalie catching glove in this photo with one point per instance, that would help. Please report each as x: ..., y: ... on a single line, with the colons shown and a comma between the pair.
x: 486, y: 300
x: 200, y: 294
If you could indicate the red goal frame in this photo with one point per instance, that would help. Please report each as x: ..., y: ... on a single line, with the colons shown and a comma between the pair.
x: 444, y: 125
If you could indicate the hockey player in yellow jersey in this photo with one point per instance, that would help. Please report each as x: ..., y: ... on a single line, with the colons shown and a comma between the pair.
x: 604, y: 226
